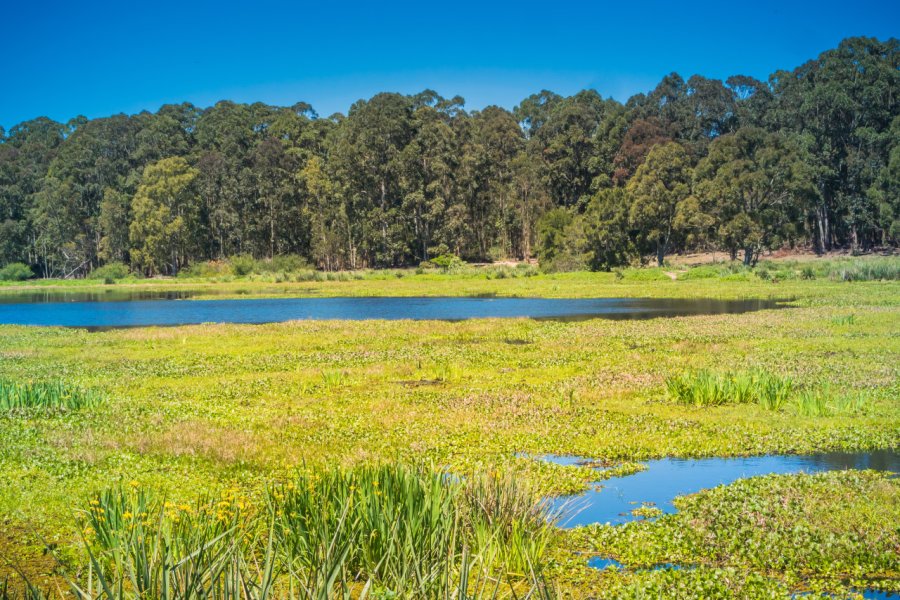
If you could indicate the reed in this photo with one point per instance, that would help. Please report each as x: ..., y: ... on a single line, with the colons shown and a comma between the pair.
x: 44, y: 395
x: 705, y: 388
x: 391, y: 531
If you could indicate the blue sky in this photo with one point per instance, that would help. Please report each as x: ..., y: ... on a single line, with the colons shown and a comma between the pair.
x: 69, y: 58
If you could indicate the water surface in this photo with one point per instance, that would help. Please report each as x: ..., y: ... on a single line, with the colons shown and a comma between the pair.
x: 613, y: 499
x: 170, y: 308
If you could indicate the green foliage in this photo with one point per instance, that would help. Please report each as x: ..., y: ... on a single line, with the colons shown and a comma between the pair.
x: 448, y: 263
x: 659, y: 192
x: 804, y: 158
x: 771, y: 392
x: 826, y: 532
x: 111, y: 271
x: 867, y: 270
x: 16, y: 272
x: 707, y: 388
x: 164, y: 210
x: 391, y: 531
x: 49, y: 396
x: 242, y: 265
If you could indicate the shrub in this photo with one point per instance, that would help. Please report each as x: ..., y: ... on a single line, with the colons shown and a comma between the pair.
x: 207, y: 269
x: 242, y: 264
x: 16, y: 272
x: 448, y: 263
x: 110, y: 272
x: 281, y: 263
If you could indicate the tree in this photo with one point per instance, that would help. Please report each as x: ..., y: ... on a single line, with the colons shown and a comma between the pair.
x: 757, y: 184
x: 609, y: 241
x: 657, y: 189
x: 163, y: 214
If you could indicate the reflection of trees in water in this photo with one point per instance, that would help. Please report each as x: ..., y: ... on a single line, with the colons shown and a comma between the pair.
x: 879, y: 460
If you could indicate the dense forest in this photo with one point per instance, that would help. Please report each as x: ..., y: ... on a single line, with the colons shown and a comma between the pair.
x: 810, y: 157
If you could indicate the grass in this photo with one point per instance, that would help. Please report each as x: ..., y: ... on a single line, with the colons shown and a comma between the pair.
x: 391, y: 531
x: 44, y: 396
x: 706, y: 388
x: 193, y: 412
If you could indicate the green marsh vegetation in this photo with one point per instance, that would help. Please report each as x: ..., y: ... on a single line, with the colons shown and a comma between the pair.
x: 44, y: 396
x: 829, y: 532
x: 391, y: 531
x: 198, y: 414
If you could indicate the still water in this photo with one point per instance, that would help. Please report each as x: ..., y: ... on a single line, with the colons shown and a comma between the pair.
x: 612, y: 500
x: 667, y: 478
x: 170, y: 308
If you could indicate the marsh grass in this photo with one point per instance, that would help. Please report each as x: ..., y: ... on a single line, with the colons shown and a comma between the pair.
x: 707, y: 388
x: 45, y: 396
x: 824, y: 401
x: 332, y: 378
x: 390, y: 531
x: 771, y: 392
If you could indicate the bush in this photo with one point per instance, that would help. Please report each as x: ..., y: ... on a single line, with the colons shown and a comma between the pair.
x: 448, y: 263
x: 206, y: 269
x: 282, y: 263
x: 110, y: 272
x: 16, y: 272
x: 242, y: 264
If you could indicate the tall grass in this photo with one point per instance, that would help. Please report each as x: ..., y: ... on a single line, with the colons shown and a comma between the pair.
x: 870, y: 269
x: 705, y: 388
x: 772, y: 392
x: 382, y: 531
x: 44, y: 395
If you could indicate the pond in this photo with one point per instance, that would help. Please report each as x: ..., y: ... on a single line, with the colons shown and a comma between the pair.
x: 172, y: 308
x: 667, y: 478
x: 612, y: 500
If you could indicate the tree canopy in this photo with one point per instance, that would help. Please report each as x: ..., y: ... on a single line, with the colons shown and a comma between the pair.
x: 809, y: 157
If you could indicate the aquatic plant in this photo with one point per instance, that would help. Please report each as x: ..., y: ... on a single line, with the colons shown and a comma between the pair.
x: 44, y: 395
x: 706, y: 388
x: 391, y: 531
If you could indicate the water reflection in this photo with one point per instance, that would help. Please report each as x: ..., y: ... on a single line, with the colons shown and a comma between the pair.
x: 614, y: 499
x: 131, y: 309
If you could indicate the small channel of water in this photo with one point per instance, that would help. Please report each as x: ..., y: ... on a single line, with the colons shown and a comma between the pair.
x: 611, y: 501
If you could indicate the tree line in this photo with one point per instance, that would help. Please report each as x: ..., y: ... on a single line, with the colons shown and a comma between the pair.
x: 809, y: 157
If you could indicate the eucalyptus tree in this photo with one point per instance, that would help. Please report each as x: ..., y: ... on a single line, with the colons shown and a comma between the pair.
x: 493, y: 140
x: 26, y: 152
x: 428, y: 183
x: 757, y: 185
x: 658, y: 190
x: 844, y: 102
x: 164, y: 214
x: 368, y: 164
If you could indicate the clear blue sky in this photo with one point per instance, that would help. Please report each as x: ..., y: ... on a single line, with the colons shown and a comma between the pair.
x: 61, y: 59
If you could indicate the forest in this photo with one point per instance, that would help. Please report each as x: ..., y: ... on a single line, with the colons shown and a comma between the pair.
x: 808, y: 158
